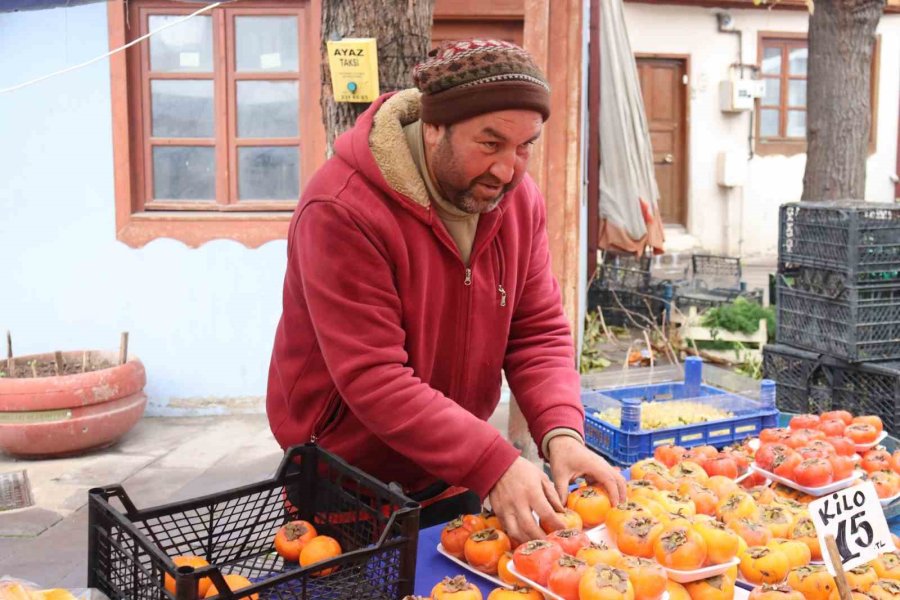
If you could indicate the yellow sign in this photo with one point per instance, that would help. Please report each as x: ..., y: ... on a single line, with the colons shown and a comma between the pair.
x: 354, y: 69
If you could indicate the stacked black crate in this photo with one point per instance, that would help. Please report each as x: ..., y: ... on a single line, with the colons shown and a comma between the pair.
x: 623, y: 291
x: 838, y: 310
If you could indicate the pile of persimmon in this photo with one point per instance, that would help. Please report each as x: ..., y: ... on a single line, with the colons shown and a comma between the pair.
x: 457, y: 588
x: 805, y: 457
x: 883, y: 470
x: 877, y: 579
x: 732, y: 462
x: 480, y: 540
x: 298, y: 542
x: 838, y: 424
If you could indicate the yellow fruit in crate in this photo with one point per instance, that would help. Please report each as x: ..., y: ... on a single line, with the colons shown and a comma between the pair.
x: 54, y: 594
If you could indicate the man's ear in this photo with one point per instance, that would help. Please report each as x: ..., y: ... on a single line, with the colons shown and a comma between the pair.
x: 432, y: 133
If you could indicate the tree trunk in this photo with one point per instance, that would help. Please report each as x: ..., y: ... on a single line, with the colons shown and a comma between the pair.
x: 839, y: 114
x: 403, y: 31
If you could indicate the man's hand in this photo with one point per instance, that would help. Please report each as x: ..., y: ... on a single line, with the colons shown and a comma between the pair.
x: 570, y: 459
x: 524, y: 488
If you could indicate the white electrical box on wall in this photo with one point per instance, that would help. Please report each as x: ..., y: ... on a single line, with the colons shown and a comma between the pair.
x: 737, y: 95
x: 731, y: 169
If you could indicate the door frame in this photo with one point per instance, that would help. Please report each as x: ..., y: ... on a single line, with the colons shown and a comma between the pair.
x: 686, y: 140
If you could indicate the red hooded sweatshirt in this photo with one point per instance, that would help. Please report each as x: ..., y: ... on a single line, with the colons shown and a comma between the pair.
x: 389, y: 350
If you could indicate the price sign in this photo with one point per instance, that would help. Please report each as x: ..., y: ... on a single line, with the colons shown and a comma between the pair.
x: 855, y: 519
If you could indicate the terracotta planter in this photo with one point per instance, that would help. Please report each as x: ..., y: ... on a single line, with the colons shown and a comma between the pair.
x: 68, y: 414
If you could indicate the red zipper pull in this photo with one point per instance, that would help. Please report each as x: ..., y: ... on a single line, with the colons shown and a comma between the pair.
x: 502, y: 295
x: 468, y: 280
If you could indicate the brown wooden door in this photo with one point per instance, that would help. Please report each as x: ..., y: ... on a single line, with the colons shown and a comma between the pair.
x: 663, y: 89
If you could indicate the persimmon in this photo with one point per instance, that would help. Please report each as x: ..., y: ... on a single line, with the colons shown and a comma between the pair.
x: 291, y: 538
x: 318, y: 549
x: 484, y: 548
x: 813, y: 581
x: 843, y: 415
x: 476, y: 522
x: 762, y: 494
x: 804, y: 422
x: 861, y: 433
x: 776, y: 591
x: 535, y: 559
x: 887, y: 483
x: 765, y: 456
x: 722, y: 544
x: 797, y: 552
x: 503, y: 569
x: 491, y: 520
x: 703, y: 498
x: 783, y: 465
x: 591, y: 503
x: 638, y: 535
x: 677, y: 591
x: 718, y: 587
x: 669, y: 455
x: 774, y: 435
x: 737, y: 505
x: 661, y: 481
x: 721, y: 486
x: 565, y: 577
x: 873, y: 420
x: 189, y: 561
x: 600, y: 554
x: 236, y: 583
x: 517, y: 593
x: 455, y: 588
x: 760, y: 564
x: 570, y: 540
x: 723, y: 465
x: 570, y: 519
x: 777, y: 519
x: 620, y: 513
x: 753, y: 532
x: 680, y: 548
x: 646, y: 576
x: 887, y: 565
x: 691, y: 470
x: 832, y: 428
x: 861, y: 578
x: 601, y: 582
x: 805, y: 531
x: 672, y: 502
x: 648, y: 465
x: 884, y: 589
x: 841, y: 466
x: 454, y: 536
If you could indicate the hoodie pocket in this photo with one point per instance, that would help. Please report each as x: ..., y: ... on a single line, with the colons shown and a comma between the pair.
x: 330, y: 416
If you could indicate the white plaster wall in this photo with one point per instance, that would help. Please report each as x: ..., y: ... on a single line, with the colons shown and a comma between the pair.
x: 202, y: 320
x: 745, y: 220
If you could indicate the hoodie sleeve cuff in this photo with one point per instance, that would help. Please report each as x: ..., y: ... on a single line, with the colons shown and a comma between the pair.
x: 490, y: 467
x: 556, y: 432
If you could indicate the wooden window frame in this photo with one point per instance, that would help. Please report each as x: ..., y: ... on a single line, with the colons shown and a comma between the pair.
x: 791, y: 146
x: 252, y: 223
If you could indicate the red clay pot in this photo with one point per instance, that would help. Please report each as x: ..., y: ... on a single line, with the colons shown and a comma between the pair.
x: 69, y: 414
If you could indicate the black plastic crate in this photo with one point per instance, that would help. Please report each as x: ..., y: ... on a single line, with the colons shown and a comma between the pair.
x: 712, y: 272
x: 860, y: 238
x: 627, y: 308
x: 234, y: 531
x: 813, y: 383
x: 827, y: 311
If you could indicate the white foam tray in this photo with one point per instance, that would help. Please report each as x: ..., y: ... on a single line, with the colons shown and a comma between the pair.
x: 834, y: 486
x: 493, y: 579
x: 869, y: 446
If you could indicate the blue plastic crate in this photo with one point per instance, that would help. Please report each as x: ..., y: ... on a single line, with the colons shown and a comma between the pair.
x: 626, y: 444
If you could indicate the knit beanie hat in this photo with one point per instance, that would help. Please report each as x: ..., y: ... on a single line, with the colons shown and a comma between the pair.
x: 462, y: 79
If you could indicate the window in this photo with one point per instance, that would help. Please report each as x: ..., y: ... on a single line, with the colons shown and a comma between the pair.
x: 781, y: 112
x: 219, y: 125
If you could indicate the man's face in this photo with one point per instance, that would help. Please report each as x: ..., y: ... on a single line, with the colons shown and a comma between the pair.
x: 476, y: 161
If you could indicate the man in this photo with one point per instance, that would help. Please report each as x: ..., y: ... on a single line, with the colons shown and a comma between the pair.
x: 418, y: 269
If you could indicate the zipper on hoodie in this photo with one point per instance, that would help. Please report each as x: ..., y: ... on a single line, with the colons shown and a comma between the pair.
x: 468, y: 279
x: 500, y: 272
x: 330, y: 414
